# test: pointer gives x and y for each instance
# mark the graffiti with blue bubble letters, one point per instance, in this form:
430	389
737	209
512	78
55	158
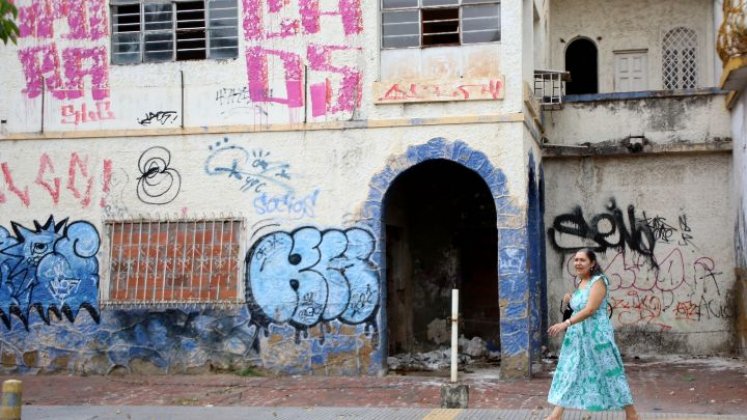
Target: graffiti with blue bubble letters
308	276
52	269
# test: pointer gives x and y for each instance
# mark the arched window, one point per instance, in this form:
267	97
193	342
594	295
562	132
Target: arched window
679	59
581	62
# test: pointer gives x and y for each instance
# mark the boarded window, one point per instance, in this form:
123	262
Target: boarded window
422	23
153	31
161	262
680	59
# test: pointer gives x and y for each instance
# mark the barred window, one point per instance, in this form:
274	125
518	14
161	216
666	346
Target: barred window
425	23
680	59
183	261
154	31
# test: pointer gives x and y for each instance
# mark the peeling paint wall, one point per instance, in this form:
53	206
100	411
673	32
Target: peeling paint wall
661	119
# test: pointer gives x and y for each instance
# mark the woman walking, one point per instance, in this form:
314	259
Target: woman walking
590	374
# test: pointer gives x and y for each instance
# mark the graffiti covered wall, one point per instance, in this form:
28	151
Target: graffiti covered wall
308	250
671	286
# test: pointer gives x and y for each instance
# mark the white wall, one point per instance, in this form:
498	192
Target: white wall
338	70
632	25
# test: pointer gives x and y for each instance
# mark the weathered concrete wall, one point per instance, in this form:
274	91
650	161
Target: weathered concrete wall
739	130
632	25
660	118
661	224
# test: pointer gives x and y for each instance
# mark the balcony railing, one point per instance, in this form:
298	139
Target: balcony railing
549	87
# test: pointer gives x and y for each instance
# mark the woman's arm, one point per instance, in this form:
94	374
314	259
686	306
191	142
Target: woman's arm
596	296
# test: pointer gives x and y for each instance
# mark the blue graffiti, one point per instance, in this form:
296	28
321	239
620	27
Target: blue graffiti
252	169
309	276
51	269
294	207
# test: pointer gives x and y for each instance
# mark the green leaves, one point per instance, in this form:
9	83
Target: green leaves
8	15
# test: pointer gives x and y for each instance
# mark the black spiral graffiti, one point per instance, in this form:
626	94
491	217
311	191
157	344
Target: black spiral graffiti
158	184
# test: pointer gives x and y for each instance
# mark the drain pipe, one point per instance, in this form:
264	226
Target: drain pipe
453	394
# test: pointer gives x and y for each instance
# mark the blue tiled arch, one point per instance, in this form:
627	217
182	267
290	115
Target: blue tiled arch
513	242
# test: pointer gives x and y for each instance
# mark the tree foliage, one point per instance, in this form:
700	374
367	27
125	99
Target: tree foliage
8	15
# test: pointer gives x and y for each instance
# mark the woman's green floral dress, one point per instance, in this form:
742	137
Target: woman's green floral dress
590	374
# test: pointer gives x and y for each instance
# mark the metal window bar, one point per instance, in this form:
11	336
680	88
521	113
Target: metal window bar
158	262
549	86
460	5
208	23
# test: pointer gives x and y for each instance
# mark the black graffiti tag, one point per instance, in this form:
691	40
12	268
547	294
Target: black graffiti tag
158	183
607	230
162	117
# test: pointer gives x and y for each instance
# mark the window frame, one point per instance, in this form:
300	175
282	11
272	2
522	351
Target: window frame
669	50
208	25
460	5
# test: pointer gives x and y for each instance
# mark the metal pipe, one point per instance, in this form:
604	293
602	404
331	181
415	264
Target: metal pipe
454	332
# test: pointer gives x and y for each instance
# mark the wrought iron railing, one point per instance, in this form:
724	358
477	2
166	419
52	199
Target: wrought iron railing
549	86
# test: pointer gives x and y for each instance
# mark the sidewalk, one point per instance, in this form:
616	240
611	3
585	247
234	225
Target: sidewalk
698	388
322	413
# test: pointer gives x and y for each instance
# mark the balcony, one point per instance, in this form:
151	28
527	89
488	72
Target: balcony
628	123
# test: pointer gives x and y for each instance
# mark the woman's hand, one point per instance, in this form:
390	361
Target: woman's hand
566	299
556	329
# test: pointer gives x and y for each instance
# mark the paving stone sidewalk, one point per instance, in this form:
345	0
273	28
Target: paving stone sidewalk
695	387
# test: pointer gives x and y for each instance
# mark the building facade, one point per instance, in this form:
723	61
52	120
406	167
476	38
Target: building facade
298	185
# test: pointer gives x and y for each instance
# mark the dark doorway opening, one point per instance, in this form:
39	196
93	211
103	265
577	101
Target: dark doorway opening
581	63
440	234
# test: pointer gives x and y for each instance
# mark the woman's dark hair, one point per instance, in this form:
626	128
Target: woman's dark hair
592	256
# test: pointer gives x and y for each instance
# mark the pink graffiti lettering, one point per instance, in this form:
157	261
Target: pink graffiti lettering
86	62
107	182
348	10
349	96
85	19
64	74
36	20
259	90
100	111
72	180
45	164
23	195
489	89
78	173
307	16
41	66
254	25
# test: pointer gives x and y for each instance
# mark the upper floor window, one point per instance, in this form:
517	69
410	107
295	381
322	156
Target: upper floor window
680	59
425	23
153	31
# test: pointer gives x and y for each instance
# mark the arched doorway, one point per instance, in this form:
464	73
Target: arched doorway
440	224
581	63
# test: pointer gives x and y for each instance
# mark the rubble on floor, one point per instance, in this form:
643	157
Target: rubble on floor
472	352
